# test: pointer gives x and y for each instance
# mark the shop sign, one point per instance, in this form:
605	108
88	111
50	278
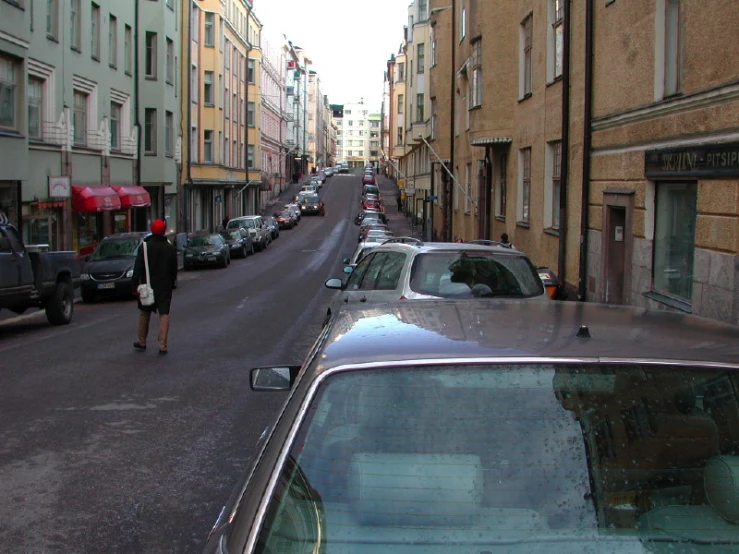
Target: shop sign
711	160
60	187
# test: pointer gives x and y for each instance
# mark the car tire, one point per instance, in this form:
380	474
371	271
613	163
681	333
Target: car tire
243	251
60	306
251	253
87	296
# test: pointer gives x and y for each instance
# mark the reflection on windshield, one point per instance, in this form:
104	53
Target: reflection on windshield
204	241
117	248
474	456
451	274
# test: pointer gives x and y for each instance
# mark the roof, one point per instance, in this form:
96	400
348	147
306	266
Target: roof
468	247
498	328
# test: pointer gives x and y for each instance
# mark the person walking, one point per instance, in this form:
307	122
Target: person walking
162	260
400	203
504	241
224	223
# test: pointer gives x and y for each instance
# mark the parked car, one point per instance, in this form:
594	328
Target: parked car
496	426
368	189
206	249
274	227
374	215
368	178
260	232
311	188
406	268
239	241
322	176
285	219
33	277
329	171
108	271
294	208
343	168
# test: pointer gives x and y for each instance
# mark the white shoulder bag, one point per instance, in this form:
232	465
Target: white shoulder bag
146	293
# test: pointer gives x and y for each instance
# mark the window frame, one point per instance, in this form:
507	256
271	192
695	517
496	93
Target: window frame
10	80
37	103
75	34
420	58
208	146
209	25
170	64
150	131
114	124
168	133
475	82
127	49
524	213
79	113
112	41
95	23
420	104
251	114
501	185
151	55
208	88
527	48
52	19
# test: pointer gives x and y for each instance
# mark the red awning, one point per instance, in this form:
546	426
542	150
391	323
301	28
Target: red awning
133	197
95	199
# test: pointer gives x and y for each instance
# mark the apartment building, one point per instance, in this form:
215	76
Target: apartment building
73	169
374	144
317	131
296	114
600	138
354	132
221	178
273	125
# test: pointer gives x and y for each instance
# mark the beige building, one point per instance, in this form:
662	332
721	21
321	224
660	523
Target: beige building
648	147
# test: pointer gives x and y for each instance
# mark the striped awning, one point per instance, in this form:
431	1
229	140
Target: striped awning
485	141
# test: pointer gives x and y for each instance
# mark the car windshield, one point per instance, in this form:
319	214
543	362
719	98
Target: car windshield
476	273
244	223
282	214
204	240
116	248
512	458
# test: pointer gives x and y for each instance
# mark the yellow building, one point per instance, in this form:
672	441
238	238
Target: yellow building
220	174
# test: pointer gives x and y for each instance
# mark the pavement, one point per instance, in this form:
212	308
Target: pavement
399	222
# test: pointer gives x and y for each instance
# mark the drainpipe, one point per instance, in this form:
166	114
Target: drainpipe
137	102
565	165
450	182
587	145
188	106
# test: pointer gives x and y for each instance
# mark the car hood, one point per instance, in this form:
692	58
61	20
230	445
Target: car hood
110	265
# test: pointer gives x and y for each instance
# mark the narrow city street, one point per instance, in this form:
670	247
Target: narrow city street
105	449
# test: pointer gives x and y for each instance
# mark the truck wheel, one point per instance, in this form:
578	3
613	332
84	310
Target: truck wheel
60	306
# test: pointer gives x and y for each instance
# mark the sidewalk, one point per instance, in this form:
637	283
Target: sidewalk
399	223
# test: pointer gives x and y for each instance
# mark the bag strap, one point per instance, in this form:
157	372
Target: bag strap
146	264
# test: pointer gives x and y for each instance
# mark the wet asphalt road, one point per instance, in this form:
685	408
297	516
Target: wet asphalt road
104	449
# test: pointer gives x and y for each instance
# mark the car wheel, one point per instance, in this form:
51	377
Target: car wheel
60	306
252	249
243	251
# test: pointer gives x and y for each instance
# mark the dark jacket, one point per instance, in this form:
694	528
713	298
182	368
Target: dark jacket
162	265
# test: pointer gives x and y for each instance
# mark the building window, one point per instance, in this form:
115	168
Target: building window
524	190
557	41
35	107
195	23
168	133
250	156
467	187
501	186
221	157
151	55
170	61
433	118
194	144
52	18
422	10
226	102
526	83
113	41
673	47
75	17
127	49
194	84
421	58
208	96
400	135
79	118
150	131
95	32
555	153
208	146
476	81
115	126
419	108
209	33
401	99
251	71
674	239
250	114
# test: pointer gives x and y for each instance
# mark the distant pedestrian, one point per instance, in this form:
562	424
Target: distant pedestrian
459	239
504	241
400	203
224	223
321	208
162	262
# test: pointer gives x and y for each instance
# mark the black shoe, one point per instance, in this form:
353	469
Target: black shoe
137	346
162	352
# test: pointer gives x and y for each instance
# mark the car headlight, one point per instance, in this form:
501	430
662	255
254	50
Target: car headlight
85	277
129	273
188	255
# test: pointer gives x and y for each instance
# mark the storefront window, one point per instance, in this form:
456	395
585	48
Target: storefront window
88	224
42	229
120	222
674	239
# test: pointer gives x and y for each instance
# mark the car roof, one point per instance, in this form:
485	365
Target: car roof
133	235
416	245
508	328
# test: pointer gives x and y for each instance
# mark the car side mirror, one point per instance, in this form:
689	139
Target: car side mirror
273	378
334	284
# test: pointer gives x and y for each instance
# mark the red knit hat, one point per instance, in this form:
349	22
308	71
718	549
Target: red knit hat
159	227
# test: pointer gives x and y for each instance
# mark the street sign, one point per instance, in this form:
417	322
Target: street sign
431	198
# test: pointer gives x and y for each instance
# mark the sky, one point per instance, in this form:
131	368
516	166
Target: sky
349	41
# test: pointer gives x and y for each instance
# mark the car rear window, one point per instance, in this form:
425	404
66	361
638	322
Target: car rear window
512	458
476	273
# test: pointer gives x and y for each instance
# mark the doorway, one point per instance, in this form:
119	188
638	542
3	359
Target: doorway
616	255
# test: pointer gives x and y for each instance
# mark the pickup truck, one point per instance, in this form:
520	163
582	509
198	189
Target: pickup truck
31	278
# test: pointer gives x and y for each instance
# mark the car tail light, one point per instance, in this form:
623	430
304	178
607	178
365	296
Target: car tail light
402	297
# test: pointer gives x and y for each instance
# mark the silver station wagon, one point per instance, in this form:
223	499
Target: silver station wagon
460	426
